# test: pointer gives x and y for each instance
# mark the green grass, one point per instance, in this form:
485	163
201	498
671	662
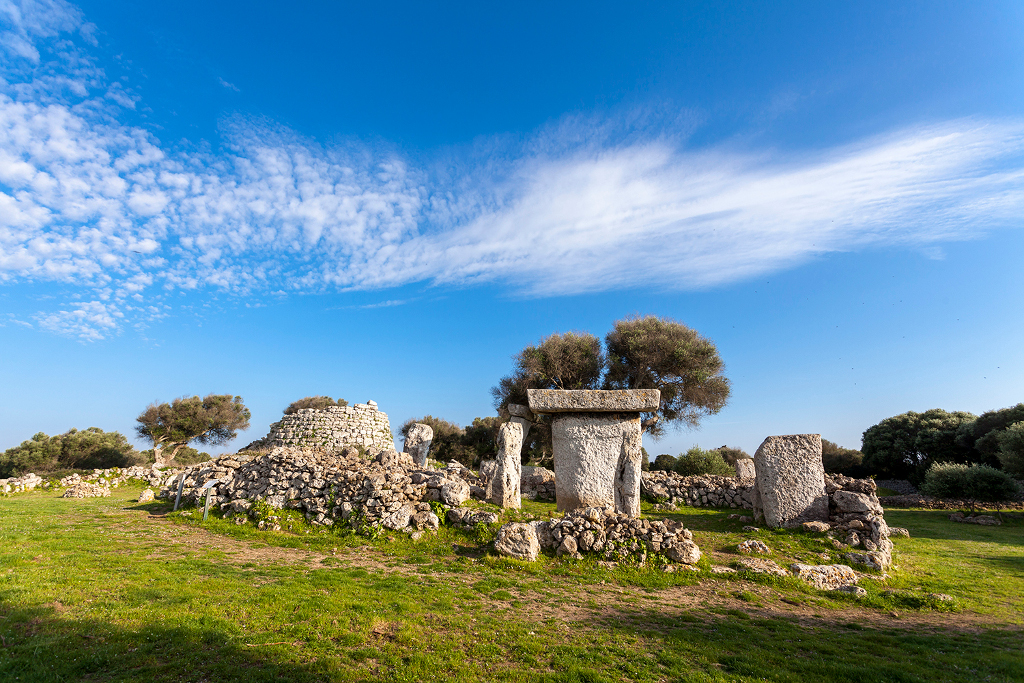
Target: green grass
108	590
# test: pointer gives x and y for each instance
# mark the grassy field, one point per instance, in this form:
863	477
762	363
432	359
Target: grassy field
109	590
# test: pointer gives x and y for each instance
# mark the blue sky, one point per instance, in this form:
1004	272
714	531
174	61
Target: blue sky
387	201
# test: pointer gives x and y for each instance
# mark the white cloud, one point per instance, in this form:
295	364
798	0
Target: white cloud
90	201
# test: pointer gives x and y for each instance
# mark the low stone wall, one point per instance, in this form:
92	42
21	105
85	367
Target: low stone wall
330	429
901	486
918	500
704	490
537	483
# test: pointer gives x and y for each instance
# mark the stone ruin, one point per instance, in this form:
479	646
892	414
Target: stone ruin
596	443
330	429
790	481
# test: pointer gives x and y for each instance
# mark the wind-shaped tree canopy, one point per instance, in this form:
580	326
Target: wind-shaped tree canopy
212	420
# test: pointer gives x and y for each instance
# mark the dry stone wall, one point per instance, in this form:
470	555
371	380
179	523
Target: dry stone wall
331	429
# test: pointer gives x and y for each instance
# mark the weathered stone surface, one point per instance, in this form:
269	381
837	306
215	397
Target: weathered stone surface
899	531
517	410
392	458
518	540
503	486
417	443
593	400
754	547
825	577
745	468
537	483
399	519
597	461
455	493
568	546
849	501
855	591
683	551
759	565
543	531
790	480
146	496
817	527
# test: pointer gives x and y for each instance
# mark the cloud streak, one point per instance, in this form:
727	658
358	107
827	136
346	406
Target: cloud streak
90	201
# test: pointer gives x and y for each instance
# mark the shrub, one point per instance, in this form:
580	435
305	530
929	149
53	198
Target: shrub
731	455
314	402
981	483
1011	449
945	480
983	434
664	462
186	456
87	449
835	458
698	461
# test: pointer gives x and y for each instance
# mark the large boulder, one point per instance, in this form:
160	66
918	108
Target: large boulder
683	551
597	461
790	481
517	540
417	443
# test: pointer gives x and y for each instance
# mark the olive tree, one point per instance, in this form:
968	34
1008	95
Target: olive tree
659	353
212	420
905	446
639	353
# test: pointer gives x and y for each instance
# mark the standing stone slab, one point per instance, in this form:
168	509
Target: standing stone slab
597	461
790	480
503	485
745	468
417	443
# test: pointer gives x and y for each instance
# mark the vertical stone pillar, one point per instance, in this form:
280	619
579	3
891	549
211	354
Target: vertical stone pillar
503	486
417	443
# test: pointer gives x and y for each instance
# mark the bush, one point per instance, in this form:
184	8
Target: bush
87	449
664	463
837	459
314	402
981	483
1011	449
698	461
731	455
905	446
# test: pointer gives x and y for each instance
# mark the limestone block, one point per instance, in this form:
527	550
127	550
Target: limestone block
455	493
593	400
683	551
597	461
825	577
745	468
850	501
503	486
790	480
517	540
146	496
417	443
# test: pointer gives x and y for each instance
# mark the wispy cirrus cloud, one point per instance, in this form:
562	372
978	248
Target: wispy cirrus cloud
88	200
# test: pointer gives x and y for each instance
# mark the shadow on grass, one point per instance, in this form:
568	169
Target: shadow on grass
96	650
740	645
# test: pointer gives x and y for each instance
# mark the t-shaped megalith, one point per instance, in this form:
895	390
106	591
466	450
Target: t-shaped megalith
596	439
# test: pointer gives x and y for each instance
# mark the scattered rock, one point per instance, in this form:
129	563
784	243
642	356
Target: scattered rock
817	527
719	569
146	496
825	576
758	565
899	531
754	547
87	490
855	591
519	541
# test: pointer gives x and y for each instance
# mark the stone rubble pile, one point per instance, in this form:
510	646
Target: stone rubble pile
86	490
386	490
116	476
984	520
330	429
24	483
702	490
613	535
